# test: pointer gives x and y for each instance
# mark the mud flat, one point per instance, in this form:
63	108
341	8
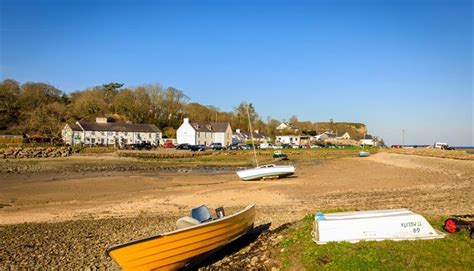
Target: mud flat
62	219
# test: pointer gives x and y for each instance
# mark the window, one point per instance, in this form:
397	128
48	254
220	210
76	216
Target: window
125	133
93	140
93	133
103	133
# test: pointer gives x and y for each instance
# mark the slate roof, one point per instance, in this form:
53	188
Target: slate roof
216	127
119	127
255	135
75	127
219	127
201	127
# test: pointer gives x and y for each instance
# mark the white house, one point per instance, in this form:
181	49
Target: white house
283	126
106	133
287	139
369	140
325	136
204	133
345	136
286	126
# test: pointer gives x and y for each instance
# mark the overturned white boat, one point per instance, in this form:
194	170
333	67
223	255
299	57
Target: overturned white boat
396	224
363	154
266	171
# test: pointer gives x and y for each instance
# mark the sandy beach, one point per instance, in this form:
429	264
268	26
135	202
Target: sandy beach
68	219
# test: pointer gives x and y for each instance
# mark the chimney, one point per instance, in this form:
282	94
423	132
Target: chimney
186	120
101	120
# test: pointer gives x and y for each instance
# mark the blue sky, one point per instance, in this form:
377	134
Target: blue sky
390	64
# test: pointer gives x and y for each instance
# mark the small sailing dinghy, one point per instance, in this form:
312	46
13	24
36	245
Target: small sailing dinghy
266	171
196	236
375	225
263	171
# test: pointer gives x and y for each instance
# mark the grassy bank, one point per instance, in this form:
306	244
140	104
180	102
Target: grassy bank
298	251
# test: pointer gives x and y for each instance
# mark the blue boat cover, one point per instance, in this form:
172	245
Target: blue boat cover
201	213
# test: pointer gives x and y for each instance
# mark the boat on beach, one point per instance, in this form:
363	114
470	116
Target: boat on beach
373	225
266	171
192	240
363	154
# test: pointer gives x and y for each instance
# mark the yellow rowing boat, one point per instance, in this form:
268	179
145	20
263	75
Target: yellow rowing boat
175	249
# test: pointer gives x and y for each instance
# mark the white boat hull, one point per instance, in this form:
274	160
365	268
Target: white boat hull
377	225
266	172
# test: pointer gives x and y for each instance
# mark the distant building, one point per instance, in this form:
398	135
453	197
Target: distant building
287	139
326	136
369	140
286	126
306	139
204	133
345	136
283	126
240	137
106	133
260	137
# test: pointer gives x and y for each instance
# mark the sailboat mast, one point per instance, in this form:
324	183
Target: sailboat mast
251	135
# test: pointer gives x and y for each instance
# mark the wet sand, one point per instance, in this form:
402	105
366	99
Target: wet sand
92	211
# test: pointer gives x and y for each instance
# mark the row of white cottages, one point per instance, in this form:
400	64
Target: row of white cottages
119	134
106	133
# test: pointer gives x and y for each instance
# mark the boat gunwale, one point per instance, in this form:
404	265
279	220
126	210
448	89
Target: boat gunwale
115	247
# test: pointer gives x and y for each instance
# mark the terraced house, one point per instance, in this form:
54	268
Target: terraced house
105	133
204	133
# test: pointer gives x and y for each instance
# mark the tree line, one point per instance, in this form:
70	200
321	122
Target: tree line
42	108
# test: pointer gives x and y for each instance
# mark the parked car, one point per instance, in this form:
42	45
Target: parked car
279	155
184	146
234	146
247	147
141	146
216	146
266	146
168	145
197	147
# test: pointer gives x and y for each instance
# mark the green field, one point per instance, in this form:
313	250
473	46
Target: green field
298	251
